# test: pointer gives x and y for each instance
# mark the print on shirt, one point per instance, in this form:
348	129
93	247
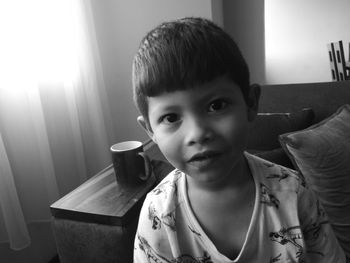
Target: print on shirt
312	231
289	236
267	197
297	174
276	259
152	215
283	174
153	257
169	220
194	231
163	187
268	164
165	219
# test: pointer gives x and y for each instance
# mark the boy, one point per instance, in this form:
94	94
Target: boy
220	204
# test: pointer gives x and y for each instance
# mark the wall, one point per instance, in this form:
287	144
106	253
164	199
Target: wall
244	21
217	12
297	33
295	40
119	26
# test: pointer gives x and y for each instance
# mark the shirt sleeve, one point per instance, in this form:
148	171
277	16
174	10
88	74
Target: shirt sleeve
321	243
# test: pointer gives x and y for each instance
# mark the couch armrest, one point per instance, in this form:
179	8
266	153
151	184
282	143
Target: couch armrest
90	242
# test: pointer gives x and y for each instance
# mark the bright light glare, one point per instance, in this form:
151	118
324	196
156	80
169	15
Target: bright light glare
39	42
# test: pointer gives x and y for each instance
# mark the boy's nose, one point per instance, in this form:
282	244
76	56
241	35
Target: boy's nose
198	131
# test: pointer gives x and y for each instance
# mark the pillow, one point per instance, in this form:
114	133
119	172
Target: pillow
322	154
266	128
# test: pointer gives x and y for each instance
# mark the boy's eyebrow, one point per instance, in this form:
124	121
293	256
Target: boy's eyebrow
164	108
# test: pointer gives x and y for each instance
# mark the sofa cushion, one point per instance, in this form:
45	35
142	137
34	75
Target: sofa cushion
322	154
266	128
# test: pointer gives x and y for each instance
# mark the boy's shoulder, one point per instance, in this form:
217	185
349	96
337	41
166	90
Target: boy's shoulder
165	194
168	183
274	176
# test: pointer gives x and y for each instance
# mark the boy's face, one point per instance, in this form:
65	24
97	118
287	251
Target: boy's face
202	131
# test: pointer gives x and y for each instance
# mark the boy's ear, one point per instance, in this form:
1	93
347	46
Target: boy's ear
253	101
144	124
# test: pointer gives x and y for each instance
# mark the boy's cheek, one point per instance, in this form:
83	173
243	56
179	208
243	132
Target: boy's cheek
168	147
165	146
171	158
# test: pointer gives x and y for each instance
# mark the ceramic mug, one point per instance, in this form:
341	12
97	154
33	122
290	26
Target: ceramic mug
131	164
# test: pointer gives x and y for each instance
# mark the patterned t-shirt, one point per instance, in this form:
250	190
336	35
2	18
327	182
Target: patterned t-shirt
288	223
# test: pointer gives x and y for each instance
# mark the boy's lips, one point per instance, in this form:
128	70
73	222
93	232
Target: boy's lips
204	158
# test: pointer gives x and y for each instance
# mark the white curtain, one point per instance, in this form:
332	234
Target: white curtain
54	118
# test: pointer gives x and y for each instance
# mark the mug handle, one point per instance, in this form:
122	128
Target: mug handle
148	167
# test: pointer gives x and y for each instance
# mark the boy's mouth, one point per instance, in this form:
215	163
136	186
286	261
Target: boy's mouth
206	156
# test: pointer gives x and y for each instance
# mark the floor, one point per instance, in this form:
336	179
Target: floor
41	250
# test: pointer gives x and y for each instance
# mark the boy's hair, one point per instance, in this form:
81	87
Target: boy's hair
182	54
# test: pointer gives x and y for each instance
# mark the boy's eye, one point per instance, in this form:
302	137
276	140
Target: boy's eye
169	118
217	105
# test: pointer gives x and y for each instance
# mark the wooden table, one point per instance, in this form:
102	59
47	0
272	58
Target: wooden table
97	221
